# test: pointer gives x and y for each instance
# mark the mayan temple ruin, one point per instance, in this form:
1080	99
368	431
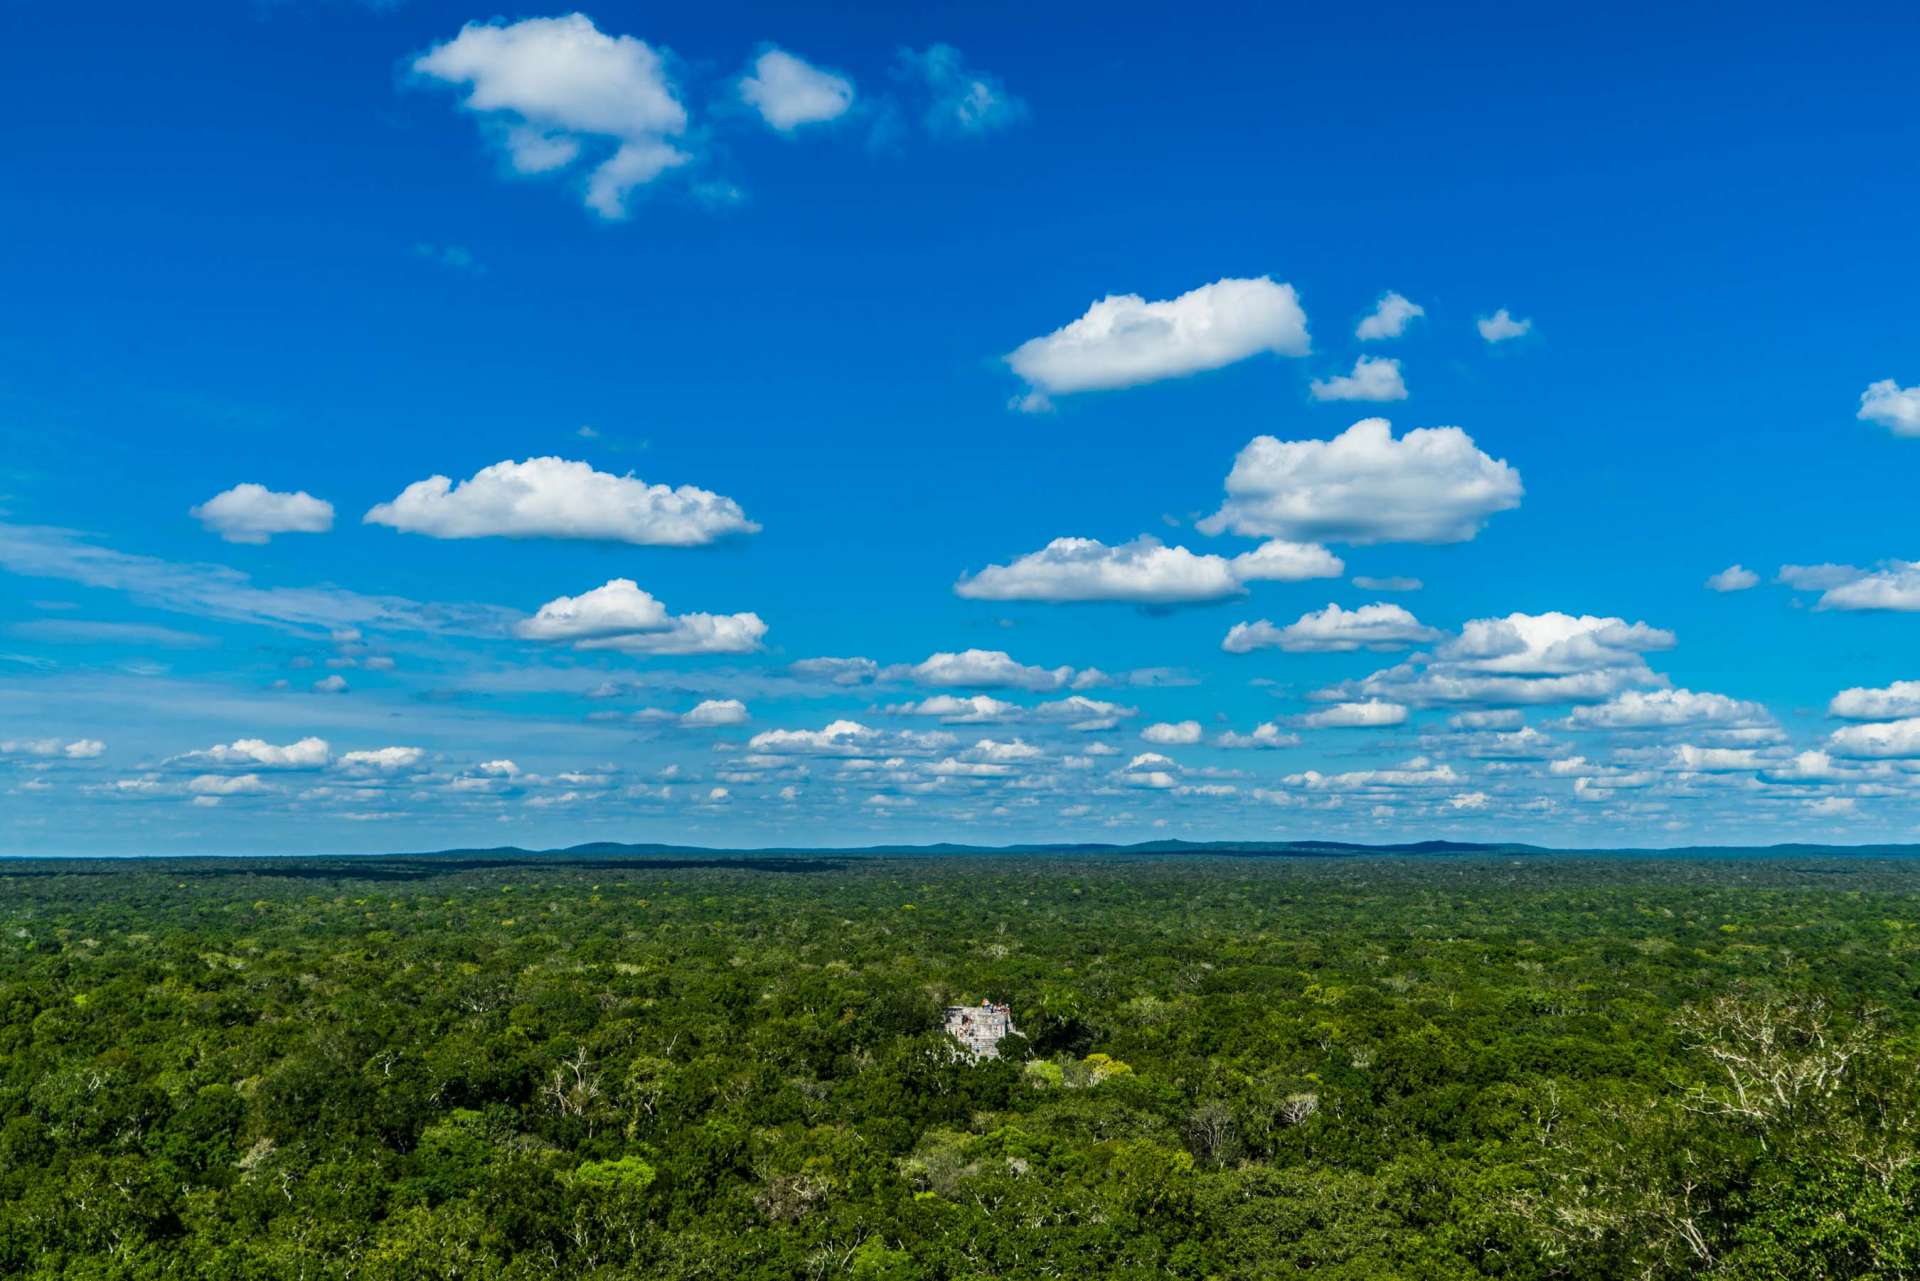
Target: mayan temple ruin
979	1028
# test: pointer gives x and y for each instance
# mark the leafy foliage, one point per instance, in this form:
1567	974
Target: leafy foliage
1342	1067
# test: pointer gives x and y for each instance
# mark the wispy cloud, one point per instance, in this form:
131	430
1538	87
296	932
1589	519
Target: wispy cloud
75	631
220	592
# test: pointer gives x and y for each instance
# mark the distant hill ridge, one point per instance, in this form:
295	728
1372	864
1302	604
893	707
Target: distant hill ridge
618	849
1282	849
800	857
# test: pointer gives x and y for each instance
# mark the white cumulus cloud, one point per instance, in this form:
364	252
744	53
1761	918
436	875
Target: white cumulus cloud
1665	708
1172	733
383	758
559	498
1265	735
620	615
1897	701
621	605
250	513
1124	340
978	709
1894	586
1004	751
1501	326
1884	739
1280	561
551	89
1892	406
690	634
1144	571
789	92
79	749
307	753
1379	627
1373	378
1150	770
1389	318
1552	644
1504	719
1734	578
714	712
954	767
837	738
980	669
1371	714
1521	660
1084	714
1717	760
1523	744
1432	485
1416	772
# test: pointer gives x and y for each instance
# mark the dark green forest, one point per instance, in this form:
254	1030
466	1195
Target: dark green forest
1360	1067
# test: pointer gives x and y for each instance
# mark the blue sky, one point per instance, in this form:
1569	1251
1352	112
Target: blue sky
751	336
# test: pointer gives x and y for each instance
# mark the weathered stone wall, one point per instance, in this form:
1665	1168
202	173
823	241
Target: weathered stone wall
979	1028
